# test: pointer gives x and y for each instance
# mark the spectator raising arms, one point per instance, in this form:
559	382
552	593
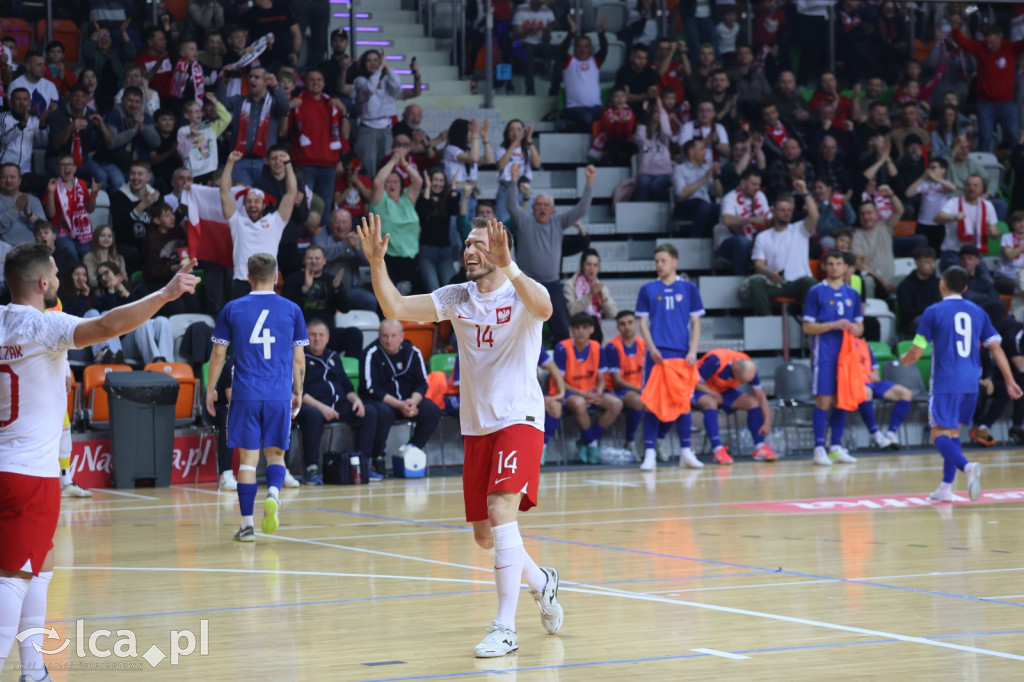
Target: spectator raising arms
396	205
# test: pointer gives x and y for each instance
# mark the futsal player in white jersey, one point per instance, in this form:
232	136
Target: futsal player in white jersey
497	317
33	365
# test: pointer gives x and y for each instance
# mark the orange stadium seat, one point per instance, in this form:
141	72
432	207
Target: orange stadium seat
422	335
73	401
186	409
66	32
97	412
21	32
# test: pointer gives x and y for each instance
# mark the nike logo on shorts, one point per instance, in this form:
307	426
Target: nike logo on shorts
502	479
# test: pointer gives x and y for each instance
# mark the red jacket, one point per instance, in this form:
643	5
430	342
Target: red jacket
997	72
843	109
315	131
619	124
161	81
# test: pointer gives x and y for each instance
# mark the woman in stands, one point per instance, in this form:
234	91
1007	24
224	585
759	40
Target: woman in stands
654	159
516	147
396	207
463	152
91	81
436	206
947	130
102	249
584	293
75	294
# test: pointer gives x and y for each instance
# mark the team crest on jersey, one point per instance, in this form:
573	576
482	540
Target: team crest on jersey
504	314
264	224
849	301
679	297
831	302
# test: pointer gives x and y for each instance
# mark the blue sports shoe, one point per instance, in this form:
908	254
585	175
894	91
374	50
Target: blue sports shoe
375	477
313	476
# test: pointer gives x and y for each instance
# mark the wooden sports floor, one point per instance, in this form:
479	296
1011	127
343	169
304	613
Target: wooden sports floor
756	572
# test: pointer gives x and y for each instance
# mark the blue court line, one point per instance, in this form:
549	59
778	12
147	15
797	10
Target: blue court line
656	659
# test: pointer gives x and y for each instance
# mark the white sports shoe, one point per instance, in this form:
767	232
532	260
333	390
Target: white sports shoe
688	459
941	495
650	462
227	481
547	601
289	480
821	457
894	440
881	440
840	455
74	490
663	452
29	678
973	471
499	641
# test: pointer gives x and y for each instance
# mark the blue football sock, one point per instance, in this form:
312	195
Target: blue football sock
899	412
711	427
684	427
952	452
632	424
755	420
652	429
837	422
590	436
867	413
663	429
275	478
820	421
550	426
246	498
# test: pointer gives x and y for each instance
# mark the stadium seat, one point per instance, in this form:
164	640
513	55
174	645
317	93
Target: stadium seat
924	365
186	409
67	32
365	321
180	323
73	398
881	351
13	27
615	13
96	414
351	367
879	309
422	335
177	8
615	59
442	362
793	391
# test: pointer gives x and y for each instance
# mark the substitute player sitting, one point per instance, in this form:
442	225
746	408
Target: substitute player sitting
497	317
268	333
956	328
722	372
624	372
886	390
579	359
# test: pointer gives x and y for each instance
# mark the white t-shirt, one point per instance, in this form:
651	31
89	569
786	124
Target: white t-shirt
582	83
33	402
517	157
451	163
251	238
42	92
735	204
533	22
952	242
692	129
727	37
1010	267
933	195
499	343
785	251
201	158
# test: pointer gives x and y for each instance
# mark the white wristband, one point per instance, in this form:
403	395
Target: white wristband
512	270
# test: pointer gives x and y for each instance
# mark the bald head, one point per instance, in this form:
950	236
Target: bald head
413	116
744	370
390	335
340	224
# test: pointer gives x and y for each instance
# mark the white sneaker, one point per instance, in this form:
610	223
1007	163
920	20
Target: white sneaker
74	490
650	462
821	457
662	448
941	495
840	455
289	480
973	471
499	641
688	459
29	678
894	440
227	481
881	440
547	601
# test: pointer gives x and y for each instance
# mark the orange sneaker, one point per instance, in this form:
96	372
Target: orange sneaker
981	436
722	456
764	453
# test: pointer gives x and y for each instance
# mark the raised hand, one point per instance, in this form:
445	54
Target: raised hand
374	246
572	24
498	253
235	156
95	187
590	173
336	282
183	282
486	128
800	186
529	134
515	171
21	203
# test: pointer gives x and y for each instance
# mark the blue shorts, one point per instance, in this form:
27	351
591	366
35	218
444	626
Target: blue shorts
620	392
728	398
823	368
880	388
252	423
950	410
666	354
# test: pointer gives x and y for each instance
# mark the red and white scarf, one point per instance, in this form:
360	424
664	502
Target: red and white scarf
74	219
76	147
181	76
751	208
975	234
299	114
582	291
778	134
838	200
261	143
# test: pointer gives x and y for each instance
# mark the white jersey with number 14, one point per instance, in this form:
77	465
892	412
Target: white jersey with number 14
499	342
33	402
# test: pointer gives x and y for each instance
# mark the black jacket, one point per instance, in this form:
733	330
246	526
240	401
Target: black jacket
399	375
321	301
326	379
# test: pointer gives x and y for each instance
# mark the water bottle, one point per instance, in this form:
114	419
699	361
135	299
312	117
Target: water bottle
357	477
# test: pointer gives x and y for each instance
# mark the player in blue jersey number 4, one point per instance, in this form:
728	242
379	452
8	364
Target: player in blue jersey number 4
955	328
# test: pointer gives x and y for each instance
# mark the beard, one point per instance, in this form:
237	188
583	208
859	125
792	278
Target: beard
50	299
485	269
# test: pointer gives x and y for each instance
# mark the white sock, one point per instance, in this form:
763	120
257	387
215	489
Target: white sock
945	487
508	570
272	491
534	577
246	521
12	595
33	615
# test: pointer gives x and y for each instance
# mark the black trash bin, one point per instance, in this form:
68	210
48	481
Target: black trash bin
141	426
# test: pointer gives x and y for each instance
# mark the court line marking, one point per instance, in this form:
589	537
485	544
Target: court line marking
111	491
376	552
723	654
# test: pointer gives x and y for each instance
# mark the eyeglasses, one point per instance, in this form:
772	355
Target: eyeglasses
103	35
